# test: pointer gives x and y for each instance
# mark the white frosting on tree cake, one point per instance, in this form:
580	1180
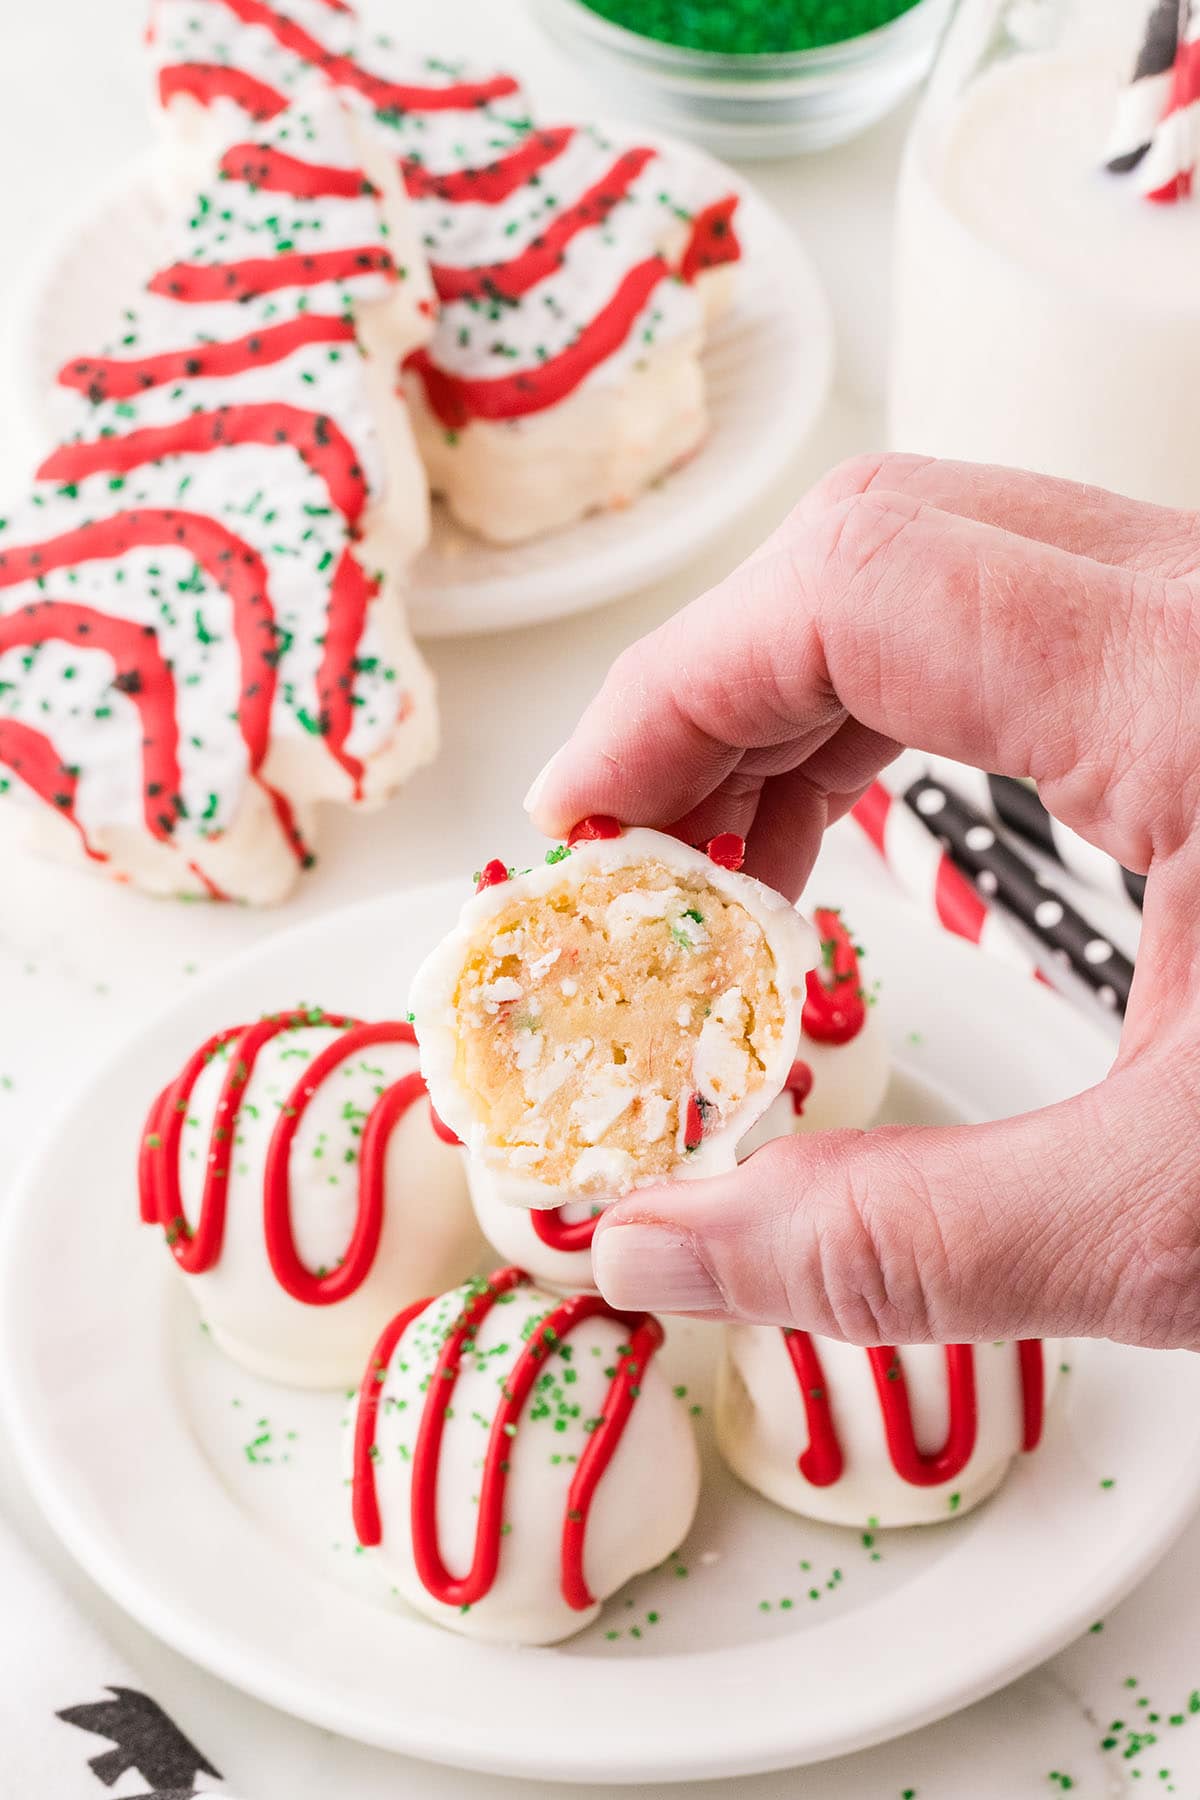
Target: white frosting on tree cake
575	272
200	631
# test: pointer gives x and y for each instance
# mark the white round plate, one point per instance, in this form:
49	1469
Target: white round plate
767	365
176	1480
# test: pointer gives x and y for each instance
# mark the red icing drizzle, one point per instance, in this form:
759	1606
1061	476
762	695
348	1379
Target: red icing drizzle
834	1011
545	253
645	1337
821	1463
495	181
198	1249
799	1085
385	1115
345	72
713	240
455	400
274	170
139	672
32	757
351	592
550	1227
120	378
231	563
199	283
207	82
318	442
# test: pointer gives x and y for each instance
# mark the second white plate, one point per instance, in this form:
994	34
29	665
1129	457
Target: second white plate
213	1507
768	365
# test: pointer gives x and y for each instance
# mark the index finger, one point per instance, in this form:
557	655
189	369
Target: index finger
927	629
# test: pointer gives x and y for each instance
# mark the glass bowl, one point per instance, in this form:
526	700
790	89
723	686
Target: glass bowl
760	105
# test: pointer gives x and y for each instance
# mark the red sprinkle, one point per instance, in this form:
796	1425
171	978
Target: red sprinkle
592	830
492	875
727	850
694	1125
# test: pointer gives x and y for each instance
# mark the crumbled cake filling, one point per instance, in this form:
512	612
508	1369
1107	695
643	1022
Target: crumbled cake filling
606	1027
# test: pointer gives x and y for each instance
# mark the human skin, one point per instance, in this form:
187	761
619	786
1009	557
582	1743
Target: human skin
1028	626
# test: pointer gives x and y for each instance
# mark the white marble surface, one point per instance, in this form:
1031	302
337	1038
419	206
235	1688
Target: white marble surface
81	964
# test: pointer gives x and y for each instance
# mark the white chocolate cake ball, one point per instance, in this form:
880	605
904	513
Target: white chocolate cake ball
305	1190
551	1243
619	1015
841	1075
518	1457
886	1437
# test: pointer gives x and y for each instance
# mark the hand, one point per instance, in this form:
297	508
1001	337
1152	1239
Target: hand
1030	627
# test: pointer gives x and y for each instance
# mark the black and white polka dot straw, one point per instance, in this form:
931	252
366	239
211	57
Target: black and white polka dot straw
1017	805
1003	874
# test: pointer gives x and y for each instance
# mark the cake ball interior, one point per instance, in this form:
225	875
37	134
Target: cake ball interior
607	1026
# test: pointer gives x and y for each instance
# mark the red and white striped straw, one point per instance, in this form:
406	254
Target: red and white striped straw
927	875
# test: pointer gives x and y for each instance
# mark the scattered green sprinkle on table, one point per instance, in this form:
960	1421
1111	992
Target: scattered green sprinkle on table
747	27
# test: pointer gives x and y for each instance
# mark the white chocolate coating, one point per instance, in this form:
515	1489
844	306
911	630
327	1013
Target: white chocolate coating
429	1236
849	1084
610	1172
762	1429
641	1510
504	1207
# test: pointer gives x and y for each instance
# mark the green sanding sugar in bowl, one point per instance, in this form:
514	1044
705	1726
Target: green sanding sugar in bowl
747	27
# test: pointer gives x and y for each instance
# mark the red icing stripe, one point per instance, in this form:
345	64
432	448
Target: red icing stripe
495	181
386	1113
34	760
139	672
119	378
198	283
319	443
553	1230
632	1359
834	1008
1033	1391
958	905
235	567
713	240
349	596
822	1463
455	400
285	817
345	72
278	173
159	1192
207	82
921	1468
545	254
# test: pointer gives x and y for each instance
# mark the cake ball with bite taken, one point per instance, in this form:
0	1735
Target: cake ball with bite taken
618	1016
518	1457
841	1075
886	1436
305	1189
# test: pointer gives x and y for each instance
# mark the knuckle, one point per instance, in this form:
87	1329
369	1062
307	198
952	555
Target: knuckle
858	475
866	1253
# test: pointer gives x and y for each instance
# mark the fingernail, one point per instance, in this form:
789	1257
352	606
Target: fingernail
538	783
650	1266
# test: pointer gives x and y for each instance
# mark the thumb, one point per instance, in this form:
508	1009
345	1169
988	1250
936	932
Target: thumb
1080	1220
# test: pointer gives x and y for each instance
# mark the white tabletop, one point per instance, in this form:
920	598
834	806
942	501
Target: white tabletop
82	964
